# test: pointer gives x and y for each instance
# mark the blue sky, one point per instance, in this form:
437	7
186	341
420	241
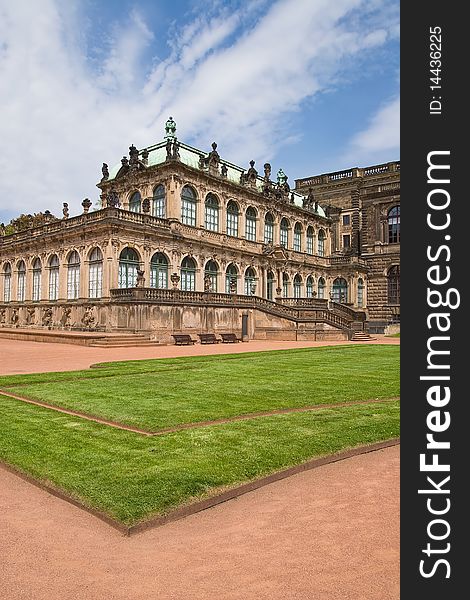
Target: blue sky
308	85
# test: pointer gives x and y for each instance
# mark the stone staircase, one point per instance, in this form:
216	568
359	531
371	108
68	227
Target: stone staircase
361	336
124	341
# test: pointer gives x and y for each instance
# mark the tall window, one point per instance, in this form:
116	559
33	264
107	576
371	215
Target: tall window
54	277
21	281
7	283
211	271
128	266
73	276
37	277
232	218
188	206
360	292
393	219
321	243
135	202
212	213
321	288
309	286
231	278
298	237
159	271
250	282
309	240
285	285
297	286
393	281
188	274
284	233
270	285
250	224
159	201
340	290
268	229
95	274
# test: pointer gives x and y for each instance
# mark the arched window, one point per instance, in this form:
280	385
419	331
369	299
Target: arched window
298	237
54	277
270	280
285	285
188	206
321	243
297	286
159	271
268	229
321	288
284	233
393	219
188	274
250	224
21	282
73	276
250	282
360	292
309	286
212	213
231	279
95	274
340	290
309	240
135	202
128	266
210	272
7	283
393	285
37	277
159	202
232	218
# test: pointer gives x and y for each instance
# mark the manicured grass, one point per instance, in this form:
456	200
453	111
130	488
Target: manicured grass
154	394
394	335
132	477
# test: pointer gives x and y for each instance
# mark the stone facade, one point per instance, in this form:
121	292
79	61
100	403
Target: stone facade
186	241
364	208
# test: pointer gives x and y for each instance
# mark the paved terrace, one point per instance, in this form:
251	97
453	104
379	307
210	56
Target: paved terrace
18	357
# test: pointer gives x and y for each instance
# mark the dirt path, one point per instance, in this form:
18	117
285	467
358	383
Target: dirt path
39	357
327	534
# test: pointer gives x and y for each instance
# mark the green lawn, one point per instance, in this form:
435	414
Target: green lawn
133	477
162	393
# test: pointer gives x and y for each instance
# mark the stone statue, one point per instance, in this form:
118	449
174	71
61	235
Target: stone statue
31	314
145	157
65	210
3	315
170	128
134	157
251	175
169	149
65	318
124	161
88	319
140	281
309	200
87	203
207	283
47	317
233	286
2	228
202	161
14	317
176	150
267	171
224	170
146	205
105	172
112	200
213	159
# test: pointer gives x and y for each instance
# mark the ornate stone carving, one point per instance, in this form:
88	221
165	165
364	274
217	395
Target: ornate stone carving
140	281
146	205
145	157
3	315
47	316
30	315
88	318
87	204
65	318
65	210
105	172
207	283
112	200
250	177
14	317
224	170
170	128
175	279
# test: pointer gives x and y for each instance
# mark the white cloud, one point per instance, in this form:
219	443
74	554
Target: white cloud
234	77
380	138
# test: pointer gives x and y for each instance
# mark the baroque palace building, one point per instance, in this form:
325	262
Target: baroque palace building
185	241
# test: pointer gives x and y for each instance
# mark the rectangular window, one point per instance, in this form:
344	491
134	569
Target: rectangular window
21	287
250	230
297	241
232	224
188	213
36	286
188	281
159	208
346	220
7	288
268	233
212	218
346	241
309	244
284	237
73	282
53	284
96	280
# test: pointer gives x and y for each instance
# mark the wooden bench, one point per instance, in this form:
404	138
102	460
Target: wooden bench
208	338
229	338
182	339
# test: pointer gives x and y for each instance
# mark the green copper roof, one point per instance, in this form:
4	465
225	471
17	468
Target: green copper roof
190	156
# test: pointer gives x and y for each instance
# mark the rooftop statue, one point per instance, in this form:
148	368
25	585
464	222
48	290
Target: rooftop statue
170	128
